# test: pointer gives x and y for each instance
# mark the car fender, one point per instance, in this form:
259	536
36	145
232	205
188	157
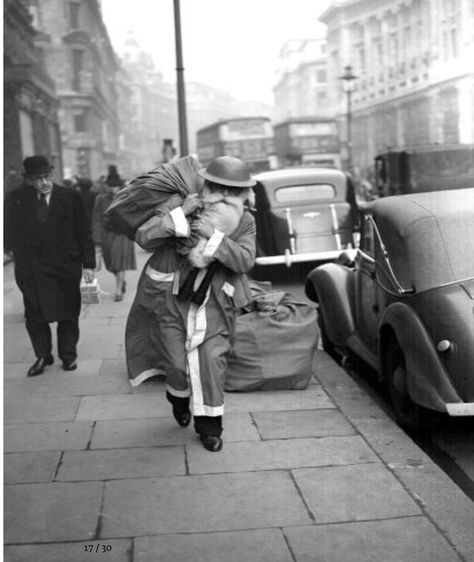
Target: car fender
332	287
429	384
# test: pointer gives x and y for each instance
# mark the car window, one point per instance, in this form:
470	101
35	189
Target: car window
306	193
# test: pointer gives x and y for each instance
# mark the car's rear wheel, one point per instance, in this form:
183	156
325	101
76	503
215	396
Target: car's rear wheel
408	414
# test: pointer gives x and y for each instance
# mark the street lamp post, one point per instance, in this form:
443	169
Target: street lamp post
183	132
348	85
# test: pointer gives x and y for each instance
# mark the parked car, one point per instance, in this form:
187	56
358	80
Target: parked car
406	304
304	214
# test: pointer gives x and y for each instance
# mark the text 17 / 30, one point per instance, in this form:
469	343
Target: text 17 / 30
98	547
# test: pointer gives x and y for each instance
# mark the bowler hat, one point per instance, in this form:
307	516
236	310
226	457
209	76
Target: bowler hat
37	164
228	170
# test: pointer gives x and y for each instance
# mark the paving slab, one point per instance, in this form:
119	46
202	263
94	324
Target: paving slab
410	539
354	493
116	367
114	343
123	406
266	545
46	436
34	467
441	499
116	550
312	398
302	423
102	350
328	373
151	402
196	504
122	463
153	432
51	512
93	326
75	383
31	408
17	352
281	454
356	403
54	374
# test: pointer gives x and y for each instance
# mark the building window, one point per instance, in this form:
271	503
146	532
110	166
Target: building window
450	24
74	15
321	76
80	122
77	67
322	98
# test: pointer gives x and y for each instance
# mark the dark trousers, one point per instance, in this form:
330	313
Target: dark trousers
204	425
67	334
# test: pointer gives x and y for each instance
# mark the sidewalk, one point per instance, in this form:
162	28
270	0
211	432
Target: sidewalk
95	470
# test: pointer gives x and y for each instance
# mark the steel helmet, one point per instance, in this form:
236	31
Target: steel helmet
228	170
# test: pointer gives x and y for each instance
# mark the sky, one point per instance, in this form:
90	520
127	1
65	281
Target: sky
229	44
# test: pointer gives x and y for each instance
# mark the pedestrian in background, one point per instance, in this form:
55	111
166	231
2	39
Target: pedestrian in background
118	251
13	179
87	195
168	333
49	234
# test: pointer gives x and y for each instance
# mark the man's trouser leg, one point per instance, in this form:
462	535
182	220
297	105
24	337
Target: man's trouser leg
207	425
40	336
68	336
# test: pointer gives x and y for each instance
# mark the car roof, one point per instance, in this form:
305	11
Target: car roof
304	174
429	236
274	179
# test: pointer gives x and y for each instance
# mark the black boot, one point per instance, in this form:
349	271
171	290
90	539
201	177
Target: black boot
209	430
181	411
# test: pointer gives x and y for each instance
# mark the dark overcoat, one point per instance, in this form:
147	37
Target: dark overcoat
49	256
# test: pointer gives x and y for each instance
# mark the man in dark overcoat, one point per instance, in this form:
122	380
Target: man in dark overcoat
49	234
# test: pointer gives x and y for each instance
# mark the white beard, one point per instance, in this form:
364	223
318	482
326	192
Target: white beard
224	212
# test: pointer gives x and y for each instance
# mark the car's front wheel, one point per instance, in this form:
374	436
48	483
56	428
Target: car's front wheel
408	414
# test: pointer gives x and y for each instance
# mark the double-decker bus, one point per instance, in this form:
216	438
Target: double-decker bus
313	141
247	138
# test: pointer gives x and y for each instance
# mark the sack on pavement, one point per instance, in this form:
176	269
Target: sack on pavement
137	202
274	343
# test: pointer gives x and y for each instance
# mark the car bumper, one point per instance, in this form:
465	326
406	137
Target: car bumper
460	408
288	258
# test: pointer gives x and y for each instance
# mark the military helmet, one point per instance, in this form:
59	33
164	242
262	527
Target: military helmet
228	170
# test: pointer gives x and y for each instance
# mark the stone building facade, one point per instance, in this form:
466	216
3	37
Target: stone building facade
30	104
301	89
77	51
415	76
304	121
152	113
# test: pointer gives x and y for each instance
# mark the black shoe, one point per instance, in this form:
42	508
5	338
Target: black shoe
69	364
38	366
183	418
212	443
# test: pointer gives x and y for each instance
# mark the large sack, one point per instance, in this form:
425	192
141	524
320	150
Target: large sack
136	203
274	344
